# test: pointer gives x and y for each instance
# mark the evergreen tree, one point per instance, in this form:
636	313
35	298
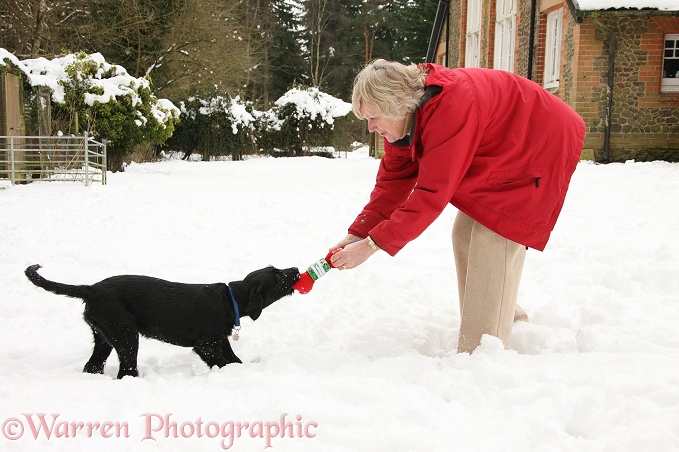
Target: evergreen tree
407	29
286	65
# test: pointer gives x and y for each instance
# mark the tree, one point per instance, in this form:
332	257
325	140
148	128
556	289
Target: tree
105	101
31	28
407	28
255	49
318	48
286	63
210	45
372	18
129	32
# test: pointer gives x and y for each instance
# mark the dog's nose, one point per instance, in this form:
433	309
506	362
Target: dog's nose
293	274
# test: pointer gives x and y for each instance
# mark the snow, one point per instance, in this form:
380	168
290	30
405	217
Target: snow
240	114
662	5
367	360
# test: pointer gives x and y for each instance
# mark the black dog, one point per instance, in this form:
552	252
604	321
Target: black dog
201	316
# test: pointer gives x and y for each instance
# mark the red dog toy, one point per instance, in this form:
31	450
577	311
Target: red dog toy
317	269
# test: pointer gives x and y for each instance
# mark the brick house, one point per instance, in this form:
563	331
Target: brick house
615	62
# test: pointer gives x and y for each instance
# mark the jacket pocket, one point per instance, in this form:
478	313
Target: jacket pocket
517	176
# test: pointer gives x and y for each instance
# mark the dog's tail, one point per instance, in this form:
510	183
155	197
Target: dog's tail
55	287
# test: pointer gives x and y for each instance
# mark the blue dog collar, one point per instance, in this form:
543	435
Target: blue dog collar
236	324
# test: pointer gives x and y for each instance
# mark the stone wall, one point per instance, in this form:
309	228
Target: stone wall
644	121
457	30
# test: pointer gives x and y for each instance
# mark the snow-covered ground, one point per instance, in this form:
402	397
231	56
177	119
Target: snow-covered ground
367	360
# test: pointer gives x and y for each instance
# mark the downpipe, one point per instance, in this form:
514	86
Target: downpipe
531	39
612	42
441	15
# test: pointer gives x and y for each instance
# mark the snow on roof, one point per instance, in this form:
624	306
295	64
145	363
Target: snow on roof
593	5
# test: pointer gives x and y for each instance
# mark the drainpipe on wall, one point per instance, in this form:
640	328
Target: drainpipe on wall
441	15
531	39
609	95
447	38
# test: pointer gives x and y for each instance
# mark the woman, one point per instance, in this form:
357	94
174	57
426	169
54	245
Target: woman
496	146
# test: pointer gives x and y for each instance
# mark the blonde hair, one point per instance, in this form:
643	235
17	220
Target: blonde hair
394	89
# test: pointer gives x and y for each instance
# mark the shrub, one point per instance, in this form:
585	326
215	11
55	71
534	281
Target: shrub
220	125
307	119
103	99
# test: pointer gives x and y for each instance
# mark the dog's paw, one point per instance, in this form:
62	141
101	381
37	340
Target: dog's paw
127	373
94	368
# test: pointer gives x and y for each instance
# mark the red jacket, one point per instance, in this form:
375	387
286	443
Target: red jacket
497	146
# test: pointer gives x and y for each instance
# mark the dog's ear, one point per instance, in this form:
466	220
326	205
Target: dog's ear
255	304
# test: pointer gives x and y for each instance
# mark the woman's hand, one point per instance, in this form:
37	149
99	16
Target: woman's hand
354	252
350	238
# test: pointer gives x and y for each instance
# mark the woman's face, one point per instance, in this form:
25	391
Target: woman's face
389	128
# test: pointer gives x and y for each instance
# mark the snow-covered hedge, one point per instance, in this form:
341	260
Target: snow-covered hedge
89	94
219	125
307	119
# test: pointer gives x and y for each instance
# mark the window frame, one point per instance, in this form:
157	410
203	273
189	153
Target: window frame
553	40
505	35
669	84
472	56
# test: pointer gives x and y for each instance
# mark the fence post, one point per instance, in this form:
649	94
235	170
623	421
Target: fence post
87	158
104	169
11	159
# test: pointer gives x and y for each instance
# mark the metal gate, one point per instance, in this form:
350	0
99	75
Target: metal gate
24	159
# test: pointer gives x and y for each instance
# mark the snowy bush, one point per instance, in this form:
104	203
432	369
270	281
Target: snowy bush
89	94
219	125
307	119
216	126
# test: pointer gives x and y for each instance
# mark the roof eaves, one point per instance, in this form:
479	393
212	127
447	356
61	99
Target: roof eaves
575	10
579	14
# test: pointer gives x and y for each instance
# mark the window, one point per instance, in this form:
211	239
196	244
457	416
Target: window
505	26
553	49
472	57
670	65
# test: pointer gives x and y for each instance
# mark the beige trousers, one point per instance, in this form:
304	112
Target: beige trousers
489	269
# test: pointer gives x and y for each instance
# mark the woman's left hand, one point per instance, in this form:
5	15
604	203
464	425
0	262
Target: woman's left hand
353	255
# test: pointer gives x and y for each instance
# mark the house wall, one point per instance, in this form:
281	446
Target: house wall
570	52
522	47
457	30
644	121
